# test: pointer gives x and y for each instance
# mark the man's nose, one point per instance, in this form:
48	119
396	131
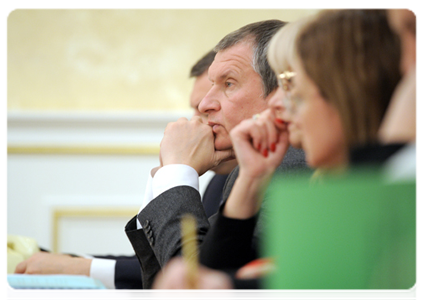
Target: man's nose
210	102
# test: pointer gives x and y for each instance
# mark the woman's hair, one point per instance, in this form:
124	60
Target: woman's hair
281	47
353	57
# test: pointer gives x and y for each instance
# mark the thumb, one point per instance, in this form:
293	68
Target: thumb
224	155
197	118
21	268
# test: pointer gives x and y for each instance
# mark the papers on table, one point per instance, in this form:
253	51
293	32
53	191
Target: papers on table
58	287
23	281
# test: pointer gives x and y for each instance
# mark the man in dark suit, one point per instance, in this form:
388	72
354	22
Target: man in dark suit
242	85
124	272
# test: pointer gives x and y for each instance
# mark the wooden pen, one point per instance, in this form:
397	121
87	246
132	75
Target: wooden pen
189	249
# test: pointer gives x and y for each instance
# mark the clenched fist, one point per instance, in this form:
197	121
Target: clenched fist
191	143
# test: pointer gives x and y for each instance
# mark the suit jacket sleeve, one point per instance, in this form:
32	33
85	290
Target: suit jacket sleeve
147	260
160	238
162	217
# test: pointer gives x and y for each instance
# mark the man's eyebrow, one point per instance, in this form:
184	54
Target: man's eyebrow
226	74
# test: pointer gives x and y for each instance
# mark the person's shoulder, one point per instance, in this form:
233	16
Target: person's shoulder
376	153
294	160
294	154
401	166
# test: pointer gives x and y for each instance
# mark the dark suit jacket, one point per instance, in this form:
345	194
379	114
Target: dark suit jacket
127	268
213	194
232	243
160	238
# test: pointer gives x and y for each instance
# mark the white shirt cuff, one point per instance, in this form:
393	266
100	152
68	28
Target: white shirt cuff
104	270
148	196
166	178
170	176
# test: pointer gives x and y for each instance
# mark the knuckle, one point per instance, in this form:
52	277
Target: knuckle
30	271
246	122
169	126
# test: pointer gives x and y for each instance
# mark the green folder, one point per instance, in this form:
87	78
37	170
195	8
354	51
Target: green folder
354	232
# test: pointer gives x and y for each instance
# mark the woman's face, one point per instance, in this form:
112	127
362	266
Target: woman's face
323	139
284	110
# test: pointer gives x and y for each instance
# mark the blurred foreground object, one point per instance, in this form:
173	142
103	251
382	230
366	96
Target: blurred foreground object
189	249
256	269
352	232
19	248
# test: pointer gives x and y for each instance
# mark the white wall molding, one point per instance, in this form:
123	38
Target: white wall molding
89	128
81	179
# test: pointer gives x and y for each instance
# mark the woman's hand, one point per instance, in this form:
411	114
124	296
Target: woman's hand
174	276
260	145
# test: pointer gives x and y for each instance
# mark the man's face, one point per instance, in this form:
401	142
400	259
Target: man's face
406	23
236	93
200	89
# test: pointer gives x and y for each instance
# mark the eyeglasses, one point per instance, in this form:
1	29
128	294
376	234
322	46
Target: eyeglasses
285	80
285	83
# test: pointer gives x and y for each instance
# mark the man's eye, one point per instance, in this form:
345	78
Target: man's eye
228	84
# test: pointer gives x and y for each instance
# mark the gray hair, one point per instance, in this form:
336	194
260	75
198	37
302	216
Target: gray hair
258	34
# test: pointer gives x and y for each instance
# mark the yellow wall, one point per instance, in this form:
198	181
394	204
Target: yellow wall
102	60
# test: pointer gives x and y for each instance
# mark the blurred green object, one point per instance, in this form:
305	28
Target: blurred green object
354	232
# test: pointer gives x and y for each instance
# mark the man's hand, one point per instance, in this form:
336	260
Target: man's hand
174	276
191	143
49	263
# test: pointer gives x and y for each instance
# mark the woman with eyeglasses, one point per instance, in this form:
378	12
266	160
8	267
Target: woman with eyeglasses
342	71
337	71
